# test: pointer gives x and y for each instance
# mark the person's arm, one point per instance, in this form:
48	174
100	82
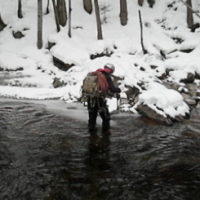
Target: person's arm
112	87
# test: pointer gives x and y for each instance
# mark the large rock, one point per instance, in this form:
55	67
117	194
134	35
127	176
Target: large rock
189	79
192	89
17	34
190	101
152	114
58	83
61	65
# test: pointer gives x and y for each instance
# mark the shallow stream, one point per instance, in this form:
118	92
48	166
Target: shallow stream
47	155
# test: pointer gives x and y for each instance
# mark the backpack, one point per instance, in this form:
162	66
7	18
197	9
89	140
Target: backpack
95	84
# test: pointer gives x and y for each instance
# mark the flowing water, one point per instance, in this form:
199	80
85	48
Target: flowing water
48	156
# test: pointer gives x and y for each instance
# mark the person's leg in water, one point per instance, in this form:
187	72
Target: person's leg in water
92	111
105	115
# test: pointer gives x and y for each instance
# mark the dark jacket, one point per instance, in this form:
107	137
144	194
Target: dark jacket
112	87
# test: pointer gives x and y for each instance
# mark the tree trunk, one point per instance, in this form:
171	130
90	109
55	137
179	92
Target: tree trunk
151	3
87	4
19	12
140	2
70	9
62	12
39	37
123	12
141	34
47	8
195	12
2	24
99	30
190	21
56	16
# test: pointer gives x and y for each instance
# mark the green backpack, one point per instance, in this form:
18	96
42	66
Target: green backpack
95	84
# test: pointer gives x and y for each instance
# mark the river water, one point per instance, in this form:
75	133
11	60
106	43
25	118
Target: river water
50	155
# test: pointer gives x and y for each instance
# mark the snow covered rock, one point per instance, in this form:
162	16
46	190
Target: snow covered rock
61	65
152	114
163	105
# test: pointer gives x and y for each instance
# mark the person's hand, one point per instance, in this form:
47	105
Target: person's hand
117	95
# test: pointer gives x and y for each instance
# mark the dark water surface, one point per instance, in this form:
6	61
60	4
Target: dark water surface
47	156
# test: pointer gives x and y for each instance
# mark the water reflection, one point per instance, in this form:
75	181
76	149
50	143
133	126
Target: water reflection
97	164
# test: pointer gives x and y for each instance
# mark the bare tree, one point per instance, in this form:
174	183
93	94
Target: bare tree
123	12
141	34
47	8
19	12
40	20
62	12
190	20
2	24
191	8
70	9
140	2
151	3
87	4
56	16
99	30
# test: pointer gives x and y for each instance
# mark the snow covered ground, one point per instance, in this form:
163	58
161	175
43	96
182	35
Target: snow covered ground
35	80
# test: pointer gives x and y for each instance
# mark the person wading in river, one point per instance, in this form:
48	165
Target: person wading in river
96	103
